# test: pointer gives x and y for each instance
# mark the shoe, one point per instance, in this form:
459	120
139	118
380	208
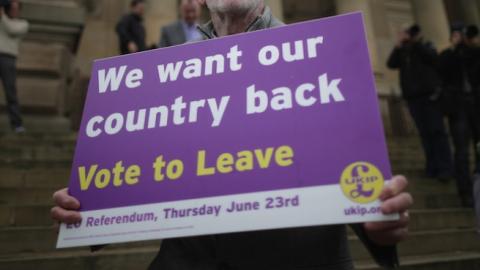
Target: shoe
19	130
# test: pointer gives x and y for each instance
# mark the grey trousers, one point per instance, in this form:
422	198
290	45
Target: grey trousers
8	75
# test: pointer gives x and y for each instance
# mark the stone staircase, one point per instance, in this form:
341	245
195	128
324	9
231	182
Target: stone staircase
32	166
46	55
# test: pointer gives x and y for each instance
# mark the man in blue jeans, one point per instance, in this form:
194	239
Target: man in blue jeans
321	247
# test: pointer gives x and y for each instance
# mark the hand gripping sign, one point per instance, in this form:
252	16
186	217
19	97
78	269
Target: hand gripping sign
272	129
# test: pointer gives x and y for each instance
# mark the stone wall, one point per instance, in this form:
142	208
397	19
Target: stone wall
58	24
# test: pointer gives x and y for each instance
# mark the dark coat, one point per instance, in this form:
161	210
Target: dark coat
459	68
172	35
417	64
323	247
130	29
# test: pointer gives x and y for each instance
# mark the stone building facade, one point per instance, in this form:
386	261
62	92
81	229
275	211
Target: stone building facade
67	35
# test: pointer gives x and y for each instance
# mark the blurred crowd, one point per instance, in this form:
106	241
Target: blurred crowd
443	89
131	31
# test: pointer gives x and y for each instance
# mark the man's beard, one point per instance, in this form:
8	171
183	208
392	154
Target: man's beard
232	6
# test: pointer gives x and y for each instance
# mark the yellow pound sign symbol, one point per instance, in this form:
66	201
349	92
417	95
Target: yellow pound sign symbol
362	182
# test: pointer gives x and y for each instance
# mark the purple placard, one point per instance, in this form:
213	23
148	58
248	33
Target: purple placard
321	116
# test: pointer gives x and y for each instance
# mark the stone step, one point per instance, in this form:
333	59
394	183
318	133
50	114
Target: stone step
18	177
423	220
140	258
65	153
406	167
43	238
20	189
125	259
44	60
43	150
36	212
38	126
436	201
439	219
19	150
424	185
48	139
33	211
25	215
34	178
29	191
15	196
13	155
39	92
29	163
36	143
427	242
441	261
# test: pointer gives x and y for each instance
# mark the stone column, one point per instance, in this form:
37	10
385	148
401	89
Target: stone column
99	39
470	11
380	41
159	14
346	6
478	6
432	18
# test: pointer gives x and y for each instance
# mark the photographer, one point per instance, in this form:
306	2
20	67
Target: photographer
420	83
458	70
12	29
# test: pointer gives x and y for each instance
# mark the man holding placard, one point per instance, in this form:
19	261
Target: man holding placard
309	247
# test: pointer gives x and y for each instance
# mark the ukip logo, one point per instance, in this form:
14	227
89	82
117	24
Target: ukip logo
362	182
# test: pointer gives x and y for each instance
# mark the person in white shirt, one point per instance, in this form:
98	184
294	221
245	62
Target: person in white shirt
12	29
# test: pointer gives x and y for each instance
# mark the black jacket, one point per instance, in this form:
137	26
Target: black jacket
459	68
417	64
130	29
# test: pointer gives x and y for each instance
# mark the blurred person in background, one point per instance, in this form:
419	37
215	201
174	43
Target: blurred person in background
420	84
12	29
473	41
185	29
130	29
458	68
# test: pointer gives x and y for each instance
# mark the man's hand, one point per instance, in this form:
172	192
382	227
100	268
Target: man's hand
395	199
132	47
65	209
